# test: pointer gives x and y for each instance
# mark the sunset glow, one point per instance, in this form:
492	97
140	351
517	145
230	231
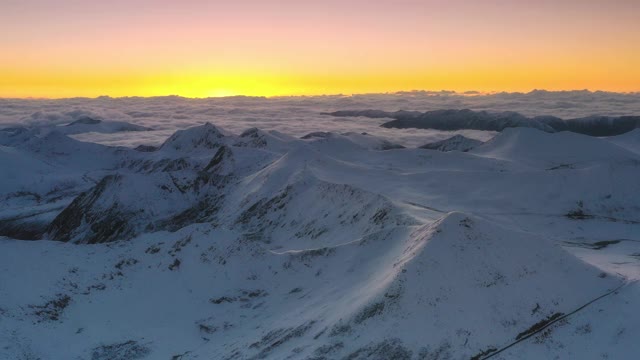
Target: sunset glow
250	47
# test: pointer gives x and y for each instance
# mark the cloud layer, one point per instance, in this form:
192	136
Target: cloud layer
301	115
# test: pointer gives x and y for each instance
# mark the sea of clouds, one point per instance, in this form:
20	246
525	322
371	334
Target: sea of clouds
298	116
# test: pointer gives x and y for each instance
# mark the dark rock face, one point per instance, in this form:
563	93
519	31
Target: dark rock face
216	163
387	349
51	310
203	211
252	138
146	148
128	350
104	225
111	211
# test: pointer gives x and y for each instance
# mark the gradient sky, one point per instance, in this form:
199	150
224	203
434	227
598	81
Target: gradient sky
63	48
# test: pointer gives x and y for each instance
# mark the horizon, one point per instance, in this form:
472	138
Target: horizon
425	92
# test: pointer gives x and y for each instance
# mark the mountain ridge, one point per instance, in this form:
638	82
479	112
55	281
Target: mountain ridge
465	119
260	245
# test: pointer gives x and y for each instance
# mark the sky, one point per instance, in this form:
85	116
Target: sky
194	48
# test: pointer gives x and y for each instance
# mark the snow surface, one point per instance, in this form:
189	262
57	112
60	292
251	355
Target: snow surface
262	245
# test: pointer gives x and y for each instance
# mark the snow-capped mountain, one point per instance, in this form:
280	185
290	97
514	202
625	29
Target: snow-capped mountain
260	245
456	142
87	124
43	172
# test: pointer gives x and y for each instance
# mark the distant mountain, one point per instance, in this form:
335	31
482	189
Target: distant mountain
374	114
498	121
85	120
87	124
456	142
361	139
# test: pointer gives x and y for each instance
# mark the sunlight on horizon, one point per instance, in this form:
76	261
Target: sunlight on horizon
197	48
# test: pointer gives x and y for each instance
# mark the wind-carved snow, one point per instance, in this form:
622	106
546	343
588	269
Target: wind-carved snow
331	246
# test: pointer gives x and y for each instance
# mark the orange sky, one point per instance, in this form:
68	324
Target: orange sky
64	48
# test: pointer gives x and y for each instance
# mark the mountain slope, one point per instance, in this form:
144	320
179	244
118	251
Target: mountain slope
333	246
372	298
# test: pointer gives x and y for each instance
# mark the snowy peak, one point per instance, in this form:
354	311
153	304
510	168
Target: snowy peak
480	245
262	192
122	206
14	137
82	124
537	148
253	138
84	120
203	137
629	141
464	264
370	142
270	141
87	124
222	163
328	142
340	214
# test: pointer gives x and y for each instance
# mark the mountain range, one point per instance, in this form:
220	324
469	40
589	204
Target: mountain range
261	245
465	119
